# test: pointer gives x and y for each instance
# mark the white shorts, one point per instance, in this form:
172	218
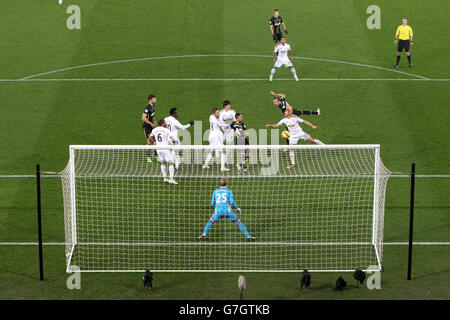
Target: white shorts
165	155
177	142
217	142
229	137
286	62
294	139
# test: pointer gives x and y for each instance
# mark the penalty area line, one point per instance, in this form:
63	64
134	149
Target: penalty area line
219	79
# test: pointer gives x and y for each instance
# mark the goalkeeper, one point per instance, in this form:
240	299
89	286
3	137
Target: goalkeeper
222	202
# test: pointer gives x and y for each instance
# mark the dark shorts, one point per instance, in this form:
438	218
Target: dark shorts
403	44
147	129
242	141
277	37
297	112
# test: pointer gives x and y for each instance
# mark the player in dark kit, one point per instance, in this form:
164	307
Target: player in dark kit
149	122
241	133
279	99
275	27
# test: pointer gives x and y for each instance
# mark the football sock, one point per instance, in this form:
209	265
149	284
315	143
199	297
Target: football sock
207	227
163	170
292	156
243	229
398	59
293	72
171	172
409	58
316	141
287	141
272	72
177	161
208	158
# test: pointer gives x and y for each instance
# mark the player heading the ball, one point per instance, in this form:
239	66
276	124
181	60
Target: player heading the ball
295	132
222	202
161	136
280	57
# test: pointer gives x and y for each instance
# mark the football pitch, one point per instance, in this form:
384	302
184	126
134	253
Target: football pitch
89	86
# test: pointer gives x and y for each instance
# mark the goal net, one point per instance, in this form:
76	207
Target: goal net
324	214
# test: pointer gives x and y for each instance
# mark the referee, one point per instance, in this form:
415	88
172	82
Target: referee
404	35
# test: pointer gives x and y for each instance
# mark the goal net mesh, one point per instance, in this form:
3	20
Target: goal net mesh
325	214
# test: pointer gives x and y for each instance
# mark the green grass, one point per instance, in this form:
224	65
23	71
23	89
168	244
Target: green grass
39	120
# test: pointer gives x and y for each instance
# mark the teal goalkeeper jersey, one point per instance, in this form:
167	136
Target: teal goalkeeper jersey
222	199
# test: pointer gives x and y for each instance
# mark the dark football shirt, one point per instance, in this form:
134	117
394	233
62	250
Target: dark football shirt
240	126
149	113
284	104
276	23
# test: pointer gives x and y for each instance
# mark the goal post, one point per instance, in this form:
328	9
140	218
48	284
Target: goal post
324	214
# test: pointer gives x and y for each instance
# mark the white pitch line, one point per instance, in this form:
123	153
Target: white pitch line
218	79
226	243
216	55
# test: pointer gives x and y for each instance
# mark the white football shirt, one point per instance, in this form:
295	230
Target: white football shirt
292	125
227	117
173	125
214	126
161	135
282	51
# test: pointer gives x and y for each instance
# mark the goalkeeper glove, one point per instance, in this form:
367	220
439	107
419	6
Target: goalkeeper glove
238	210
285	31
191	123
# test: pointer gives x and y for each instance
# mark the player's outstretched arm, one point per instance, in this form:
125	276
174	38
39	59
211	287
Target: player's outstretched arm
309	124
272	125
282	95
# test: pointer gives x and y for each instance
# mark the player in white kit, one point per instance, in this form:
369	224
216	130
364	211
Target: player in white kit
280	57
226	118
173	125
295	132
216	140
161	136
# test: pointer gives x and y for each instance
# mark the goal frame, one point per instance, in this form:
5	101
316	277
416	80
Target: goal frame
73	241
